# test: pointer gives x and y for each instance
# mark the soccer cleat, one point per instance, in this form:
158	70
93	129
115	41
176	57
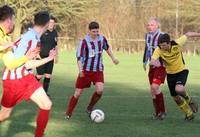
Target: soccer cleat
155	117
88	112
67	117
161	116
189	118
193	105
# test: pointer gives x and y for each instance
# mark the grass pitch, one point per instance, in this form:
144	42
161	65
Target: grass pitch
126	102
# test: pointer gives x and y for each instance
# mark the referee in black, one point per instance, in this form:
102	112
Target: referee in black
48	41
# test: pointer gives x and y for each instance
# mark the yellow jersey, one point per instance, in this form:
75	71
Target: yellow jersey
173	59
6	54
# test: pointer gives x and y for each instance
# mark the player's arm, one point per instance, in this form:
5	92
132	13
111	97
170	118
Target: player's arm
192	34
110	53
108	49
154	58
80	68
79	54
145	56
182	40
56	43
11	62
36	63
4	47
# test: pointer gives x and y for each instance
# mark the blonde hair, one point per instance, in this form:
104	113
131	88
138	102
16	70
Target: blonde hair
156	20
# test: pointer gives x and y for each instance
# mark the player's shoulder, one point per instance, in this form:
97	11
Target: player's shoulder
157	50
33	35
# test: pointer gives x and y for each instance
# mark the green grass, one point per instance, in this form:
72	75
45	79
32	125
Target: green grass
126	103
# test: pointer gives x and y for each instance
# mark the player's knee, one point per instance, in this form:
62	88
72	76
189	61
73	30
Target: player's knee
77	93
100	91
46	105
47	75
179	88
39	76
4	117
155	88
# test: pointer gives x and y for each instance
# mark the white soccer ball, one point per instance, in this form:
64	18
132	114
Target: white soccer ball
97	116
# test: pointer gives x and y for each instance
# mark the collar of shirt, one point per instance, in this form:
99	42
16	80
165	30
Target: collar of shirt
37	34
88	37
154	33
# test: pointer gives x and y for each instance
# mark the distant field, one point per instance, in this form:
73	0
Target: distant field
126	103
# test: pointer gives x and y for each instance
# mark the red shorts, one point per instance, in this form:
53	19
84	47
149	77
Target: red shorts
89	77
16	90
157	75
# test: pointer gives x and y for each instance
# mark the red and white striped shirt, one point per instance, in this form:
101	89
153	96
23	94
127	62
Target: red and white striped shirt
29	40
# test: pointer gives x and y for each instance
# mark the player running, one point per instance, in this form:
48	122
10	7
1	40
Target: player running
171	53
90	66
20	83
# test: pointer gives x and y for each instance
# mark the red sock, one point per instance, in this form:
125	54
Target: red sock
160	102
155	106
42	120
93	101
72	103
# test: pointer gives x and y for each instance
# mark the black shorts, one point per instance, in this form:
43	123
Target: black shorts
179	78
46	68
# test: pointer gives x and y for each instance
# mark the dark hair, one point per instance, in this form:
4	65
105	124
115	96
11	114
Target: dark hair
164	38
6	12
53	18
93	25
41	18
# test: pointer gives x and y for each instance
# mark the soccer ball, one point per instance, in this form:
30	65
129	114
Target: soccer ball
97	116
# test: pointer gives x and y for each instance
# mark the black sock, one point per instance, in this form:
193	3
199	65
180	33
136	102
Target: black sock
46	84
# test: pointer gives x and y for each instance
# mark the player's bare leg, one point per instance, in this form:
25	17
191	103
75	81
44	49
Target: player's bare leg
44	103
38	77
5	113
96	96
72	103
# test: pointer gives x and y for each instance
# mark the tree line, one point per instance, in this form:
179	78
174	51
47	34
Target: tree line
123	22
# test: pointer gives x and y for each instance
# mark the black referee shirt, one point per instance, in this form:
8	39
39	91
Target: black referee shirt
48	41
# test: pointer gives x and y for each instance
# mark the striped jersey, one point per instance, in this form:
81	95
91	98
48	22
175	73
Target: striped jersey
29	40
151	42
90	53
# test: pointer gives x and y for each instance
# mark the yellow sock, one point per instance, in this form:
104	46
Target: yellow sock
185	108
187	98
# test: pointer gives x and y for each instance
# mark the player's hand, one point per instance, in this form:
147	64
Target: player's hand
33	53
145	67
115	61
157	63
52	54
81	74
7	46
